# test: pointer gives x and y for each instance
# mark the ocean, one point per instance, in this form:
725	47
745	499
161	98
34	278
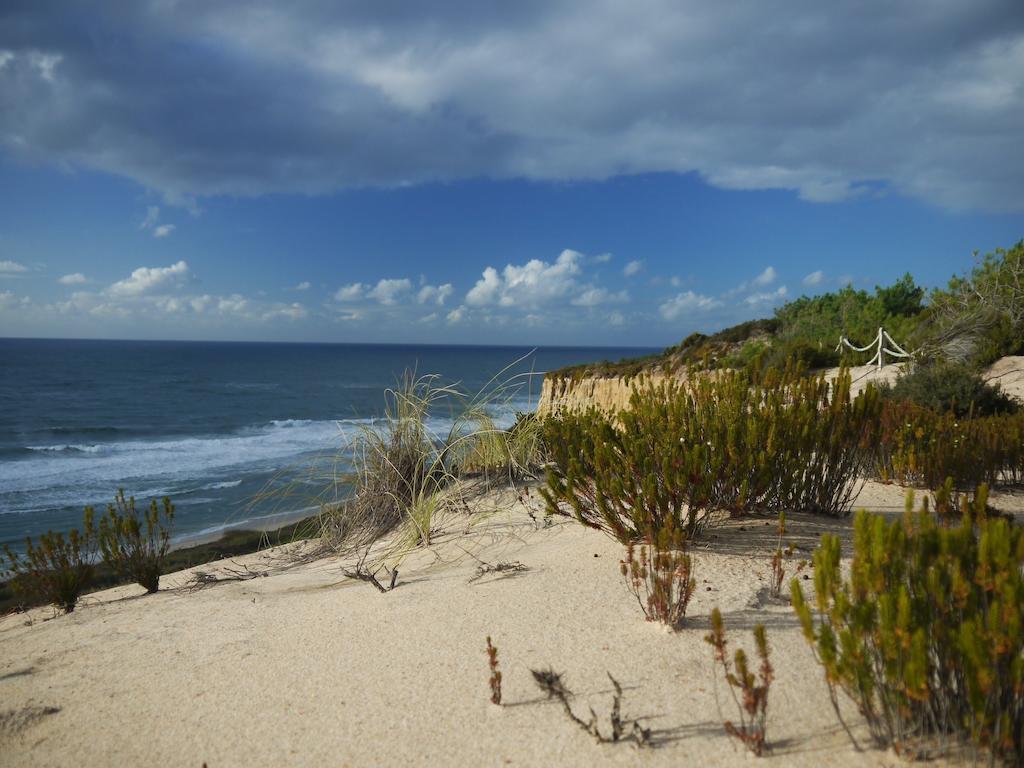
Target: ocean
237	434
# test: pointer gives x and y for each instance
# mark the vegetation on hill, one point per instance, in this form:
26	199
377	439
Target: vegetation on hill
977	318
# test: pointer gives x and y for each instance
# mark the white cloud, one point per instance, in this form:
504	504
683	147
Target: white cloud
388	291
616	319
531	284
687	302
233	304
8	268
151	218
437	294
45	63
765	278
815	278
8	300
202	303
294	311
593	297
350	292
675	282
162	230
428	319
633	267
76	278
146	280
602	258
486	289
456	315
305	285
766	297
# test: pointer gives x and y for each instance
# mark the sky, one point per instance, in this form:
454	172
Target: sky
558	172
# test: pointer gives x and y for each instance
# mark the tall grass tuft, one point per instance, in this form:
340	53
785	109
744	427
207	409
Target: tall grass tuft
406	472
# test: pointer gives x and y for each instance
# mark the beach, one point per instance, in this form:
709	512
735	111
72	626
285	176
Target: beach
303	666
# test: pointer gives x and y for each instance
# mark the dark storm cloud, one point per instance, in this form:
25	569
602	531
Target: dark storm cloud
829	99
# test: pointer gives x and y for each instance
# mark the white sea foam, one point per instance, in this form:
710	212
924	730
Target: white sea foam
63	474
66	448
218	486
77	474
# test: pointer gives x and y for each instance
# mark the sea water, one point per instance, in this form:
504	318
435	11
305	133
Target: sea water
237	434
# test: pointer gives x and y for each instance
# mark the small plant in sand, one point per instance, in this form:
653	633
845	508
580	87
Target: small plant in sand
503	567
551	683
660	576
951	506
926	633
495	680
749	691
56	569
778	567
135	544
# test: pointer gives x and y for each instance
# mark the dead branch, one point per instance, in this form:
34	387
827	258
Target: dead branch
550	682
503	567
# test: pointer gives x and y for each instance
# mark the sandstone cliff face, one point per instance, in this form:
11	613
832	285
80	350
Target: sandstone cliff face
612	394
607	394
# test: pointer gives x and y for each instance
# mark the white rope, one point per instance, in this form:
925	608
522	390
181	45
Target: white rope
879	342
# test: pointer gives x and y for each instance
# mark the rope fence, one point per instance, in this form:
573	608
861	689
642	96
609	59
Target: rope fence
879	344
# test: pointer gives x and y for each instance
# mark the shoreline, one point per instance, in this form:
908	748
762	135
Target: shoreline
231	542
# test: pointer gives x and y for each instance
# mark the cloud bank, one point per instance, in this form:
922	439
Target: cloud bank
831	100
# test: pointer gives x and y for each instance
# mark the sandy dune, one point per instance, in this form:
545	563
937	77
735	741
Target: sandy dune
304	667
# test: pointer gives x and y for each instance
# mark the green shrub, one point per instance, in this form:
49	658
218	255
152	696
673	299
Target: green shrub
630	478
980	316
56	570
950	387
919	446
135	544
733	441
926	634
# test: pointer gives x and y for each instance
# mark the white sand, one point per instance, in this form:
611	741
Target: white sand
308	668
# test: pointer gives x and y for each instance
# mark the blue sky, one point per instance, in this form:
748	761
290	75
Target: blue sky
559	173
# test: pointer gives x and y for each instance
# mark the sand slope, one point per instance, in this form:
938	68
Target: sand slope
307	668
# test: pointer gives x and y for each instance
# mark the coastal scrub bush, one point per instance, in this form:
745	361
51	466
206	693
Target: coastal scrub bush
926	634
135	544
950	387
749	691
660	576
979	317
919	446
56	569
735	441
